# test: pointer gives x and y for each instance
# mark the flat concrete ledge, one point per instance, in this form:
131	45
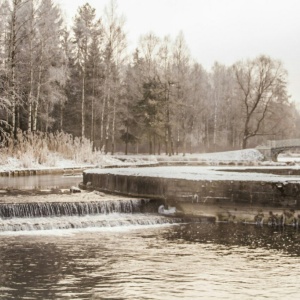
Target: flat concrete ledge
223	198
207	192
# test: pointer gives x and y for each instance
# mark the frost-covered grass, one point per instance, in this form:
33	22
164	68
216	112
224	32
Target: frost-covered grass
35	150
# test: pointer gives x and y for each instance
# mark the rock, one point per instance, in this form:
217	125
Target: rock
75	189
89	184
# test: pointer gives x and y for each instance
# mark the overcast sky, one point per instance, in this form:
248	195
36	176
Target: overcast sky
216	30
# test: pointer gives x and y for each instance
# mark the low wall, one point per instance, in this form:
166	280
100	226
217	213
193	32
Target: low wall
203	197
50	171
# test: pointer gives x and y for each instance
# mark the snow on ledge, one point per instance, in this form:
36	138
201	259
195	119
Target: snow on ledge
195	173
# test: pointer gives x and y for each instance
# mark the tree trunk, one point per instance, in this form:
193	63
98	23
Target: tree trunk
93	103
158	150
37	100
107	122
107	129
215	121
166	141
184	139
31	73
244	142
102	123
113	128
177	142
126	141
83	106
150	144
13	64
61	115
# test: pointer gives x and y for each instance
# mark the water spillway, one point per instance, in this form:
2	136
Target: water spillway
57	209
107	212
84	222
212	191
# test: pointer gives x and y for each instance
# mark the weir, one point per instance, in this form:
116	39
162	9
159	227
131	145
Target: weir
57	209
84	222
215	192
104	213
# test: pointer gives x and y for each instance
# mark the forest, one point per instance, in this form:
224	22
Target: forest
81	79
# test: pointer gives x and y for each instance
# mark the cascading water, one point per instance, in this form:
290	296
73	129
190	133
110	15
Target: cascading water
57	209
67	215
111	220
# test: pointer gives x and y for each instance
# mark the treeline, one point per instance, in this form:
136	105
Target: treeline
83	81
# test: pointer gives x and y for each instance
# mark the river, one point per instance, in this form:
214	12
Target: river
183	261
140	255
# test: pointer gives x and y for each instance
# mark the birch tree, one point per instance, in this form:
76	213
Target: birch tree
48	57
223	108
14	41
95	67
115	46
167	81
5	95
199	95
83	31
181	69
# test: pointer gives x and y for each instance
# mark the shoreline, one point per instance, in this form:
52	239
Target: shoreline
44	171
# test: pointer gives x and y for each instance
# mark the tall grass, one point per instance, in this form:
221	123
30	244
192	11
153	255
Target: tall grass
40	148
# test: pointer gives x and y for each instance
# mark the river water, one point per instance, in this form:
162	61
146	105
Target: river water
180	261
141	256
39	182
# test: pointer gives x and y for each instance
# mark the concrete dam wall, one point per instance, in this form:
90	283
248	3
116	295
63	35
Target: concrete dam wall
243	198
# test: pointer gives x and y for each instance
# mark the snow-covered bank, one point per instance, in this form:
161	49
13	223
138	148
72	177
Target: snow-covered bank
238	156
55	162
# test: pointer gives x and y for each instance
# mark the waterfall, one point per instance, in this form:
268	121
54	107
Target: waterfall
57	209
83	214
76	215
95	221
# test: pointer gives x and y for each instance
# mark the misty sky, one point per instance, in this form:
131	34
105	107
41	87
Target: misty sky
216	30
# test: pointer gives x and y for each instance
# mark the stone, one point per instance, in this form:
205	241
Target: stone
75	189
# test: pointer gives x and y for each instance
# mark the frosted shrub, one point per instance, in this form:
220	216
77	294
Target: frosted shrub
3	157
62	143
83	151
27	160
45	148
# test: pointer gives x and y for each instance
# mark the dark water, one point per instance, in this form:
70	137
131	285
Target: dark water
186	261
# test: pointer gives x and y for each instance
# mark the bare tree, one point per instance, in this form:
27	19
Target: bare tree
181	69
115	46
260	82
83	30
165	64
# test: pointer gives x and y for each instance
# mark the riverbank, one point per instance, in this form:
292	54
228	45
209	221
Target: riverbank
250	157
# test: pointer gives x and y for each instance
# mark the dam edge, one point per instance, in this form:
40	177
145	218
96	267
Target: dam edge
239	200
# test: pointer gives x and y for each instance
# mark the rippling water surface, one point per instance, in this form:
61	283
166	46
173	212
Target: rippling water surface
186	261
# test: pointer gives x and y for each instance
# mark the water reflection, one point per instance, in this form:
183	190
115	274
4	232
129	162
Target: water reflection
285	239
39	182
189	261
